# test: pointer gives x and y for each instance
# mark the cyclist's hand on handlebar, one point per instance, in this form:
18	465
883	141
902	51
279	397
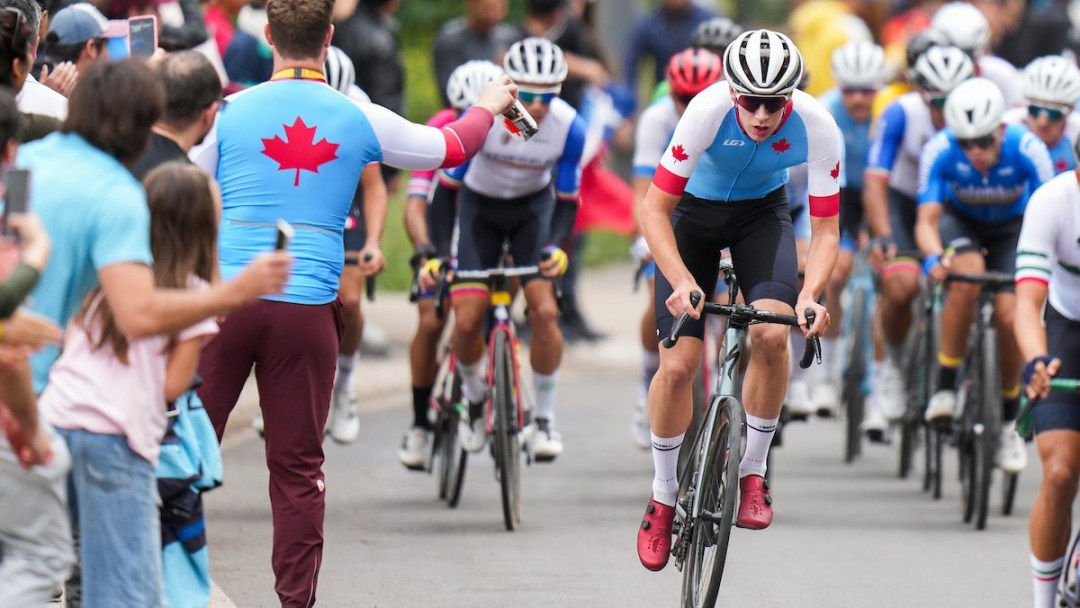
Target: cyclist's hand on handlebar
679	302
1037	374
821	315
553	262
881	248
428	276
937	266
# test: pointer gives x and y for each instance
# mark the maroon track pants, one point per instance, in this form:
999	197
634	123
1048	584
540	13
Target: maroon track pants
293	348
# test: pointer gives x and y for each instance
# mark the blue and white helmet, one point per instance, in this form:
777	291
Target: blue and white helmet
339	70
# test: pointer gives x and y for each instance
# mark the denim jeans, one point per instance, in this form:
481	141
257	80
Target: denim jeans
35	541
113	503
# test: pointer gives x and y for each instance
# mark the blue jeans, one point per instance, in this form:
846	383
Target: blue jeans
113	502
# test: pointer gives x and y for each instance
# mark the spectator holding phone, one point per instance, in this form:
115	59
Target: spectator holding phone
35	538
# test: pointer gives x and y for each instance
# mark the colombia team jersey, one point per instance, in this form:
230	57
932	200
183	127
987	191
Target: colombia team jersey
276	159
711	157
947	177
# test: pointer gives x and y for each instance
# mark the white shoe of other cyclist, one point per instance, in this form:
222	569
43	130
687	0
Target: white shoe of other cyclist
473	436
344	422
826	397
942	407
800	403
414	448
639	427
544	442
874	424
257	423
889	390
1012	452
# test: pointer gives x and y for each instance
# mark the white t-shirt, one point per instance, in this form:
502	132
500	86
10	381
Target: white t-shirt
36	98
1049	247
90	389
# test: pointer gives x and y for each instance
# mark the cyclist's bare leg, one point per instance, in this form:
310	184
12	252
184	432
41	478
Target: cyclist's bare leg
422	353
1008	352
959	310
349	291
546	346
899	286
469	309
671	398
764	387
649	340
1051	515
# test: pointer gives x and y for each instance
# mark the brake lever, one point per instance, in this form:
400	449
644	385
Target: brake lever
670	341
813	343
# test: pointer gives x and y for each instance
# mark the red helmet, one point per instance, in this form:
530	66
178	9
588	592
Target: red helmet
693	70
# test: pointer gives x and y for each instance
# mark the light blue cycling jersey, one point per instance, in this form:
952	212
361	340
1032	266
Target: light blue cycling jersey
712	157
947	177
856	138
1061	152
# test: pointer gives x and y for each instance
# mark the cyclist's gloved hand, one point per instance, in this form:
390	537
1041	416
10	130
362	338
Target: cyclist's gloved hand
936	266
640	250
553	261
429	272
1037	374
423	253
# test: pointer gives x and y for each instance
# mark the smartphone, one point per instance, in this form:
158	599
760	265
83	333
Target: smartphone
285	233
142	36
16	196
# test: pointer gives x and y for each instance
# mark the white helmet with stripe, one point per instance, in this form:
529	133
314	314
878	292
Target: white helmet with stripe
763	62
941	68
1052	79
964	26
340	72
974	108
859	64
468	79
535	60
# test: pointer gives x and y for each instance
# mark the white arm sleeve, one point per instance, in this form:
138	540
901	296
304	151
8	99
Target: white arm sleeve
405	144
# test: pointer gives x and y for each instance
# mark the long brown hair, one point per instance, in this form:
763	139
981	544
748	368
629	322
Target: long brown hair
183	240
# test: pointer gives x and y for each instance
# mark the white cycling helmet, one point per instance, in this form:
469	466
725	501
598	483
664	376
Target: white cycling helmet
716	34
468	79
974	108
859	64
763	62
1052	79
535	61
340	72
964	25
941	68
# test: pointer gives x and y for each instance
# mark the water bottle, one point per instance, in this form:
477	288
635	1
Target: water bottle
519	122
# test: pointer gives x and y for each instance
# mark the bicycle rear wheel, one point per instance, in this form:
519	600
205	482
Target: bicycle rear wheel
989	423
969	399
855	375
507	442
1008	493
919	372
716	485
1069	584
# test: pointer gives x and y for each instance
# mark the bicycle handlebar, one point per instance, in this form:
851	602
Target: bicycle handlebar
491	273
992	279
753	316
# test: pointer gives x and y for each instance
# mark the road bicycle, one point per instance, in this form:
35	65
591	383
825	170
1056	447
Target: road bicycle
504	407
920	374
1069	584
708	487
977	427
858	349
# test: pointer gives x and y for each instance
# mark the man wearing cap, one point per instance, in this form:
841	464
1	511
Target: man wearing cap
77	34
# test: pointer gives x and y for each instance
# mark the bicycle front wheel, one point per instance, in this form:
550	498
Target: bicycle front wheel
855	375
988	425
717	486
507	441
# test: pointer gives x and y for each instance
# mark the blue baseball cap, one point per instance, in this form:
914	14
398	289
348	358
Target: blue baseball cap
78	23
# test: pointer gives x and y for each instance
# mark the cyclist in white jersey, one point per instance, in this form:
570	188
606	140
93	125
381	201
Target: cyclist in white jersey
889	191
1051	90
1048	278
526	191
688	73
721	184
966	27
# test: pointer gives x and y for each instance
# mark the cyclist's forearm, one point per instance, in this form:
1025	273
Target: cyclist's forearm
927	235
374	203
641	186
660	236
416	221
876	204
824	249
1027	324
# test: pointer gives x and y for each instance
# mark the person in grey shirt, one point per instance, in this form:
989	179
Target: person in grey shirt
480	34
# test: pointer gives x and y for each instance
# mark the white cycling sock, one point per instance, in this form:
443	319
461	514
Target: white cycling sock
650	364
472	380
545	385
665	457
345	364
759	434
829	358
1044	580
797	347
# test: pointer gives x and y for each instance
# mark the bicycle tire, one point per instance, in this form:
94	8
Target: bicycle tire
507	444
854	375
989	419
709	537
1008	493
970	395
939	453
441	400
439	442
1068	594
918	382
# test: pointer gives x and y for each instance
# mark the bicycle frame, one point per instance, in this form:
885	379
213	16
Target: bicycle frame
500	302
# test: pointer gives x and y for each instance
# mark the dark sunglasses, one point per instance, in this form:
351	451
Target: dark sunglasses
985	142
531	97
1053	114
937	102
772	104
683	99
859	91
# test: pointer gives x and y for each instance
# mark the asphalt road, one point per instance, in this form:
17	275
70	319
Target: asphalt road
843	535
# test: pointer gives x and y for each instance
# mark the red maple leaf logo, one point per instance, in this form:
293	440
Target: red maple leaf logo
781	146
300	152
835	173
678	153
1061	165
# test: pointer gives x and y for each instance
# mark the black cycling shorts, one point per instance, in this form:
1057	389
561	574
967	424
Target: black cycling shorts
355	229
903	213
762	242
484	222
851	217
1060	411
965	235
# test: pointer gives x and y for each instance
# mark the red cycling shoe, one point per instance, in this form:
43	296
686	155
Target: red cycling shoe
755	503
654	536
